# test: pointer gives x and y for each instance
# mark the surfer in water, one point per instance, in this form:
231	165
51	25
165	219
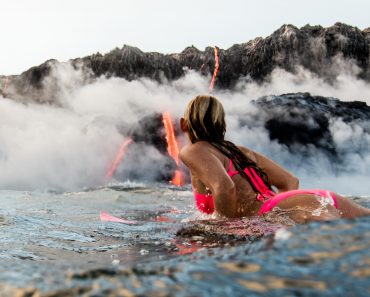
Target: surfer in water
235	181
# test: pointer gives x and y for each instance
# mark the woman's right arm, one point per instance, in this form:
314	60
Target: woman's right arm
278	176
205	166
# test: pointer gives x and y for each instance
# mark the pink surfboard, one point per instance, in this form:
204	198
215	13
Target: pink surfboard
104	217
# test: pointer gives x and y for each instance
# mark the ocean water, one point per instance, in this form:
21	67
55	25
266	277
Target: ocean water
49	226
62	232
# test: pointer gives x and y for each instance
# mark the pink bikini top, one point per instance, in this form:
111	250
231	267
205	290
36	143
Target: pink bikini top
204	202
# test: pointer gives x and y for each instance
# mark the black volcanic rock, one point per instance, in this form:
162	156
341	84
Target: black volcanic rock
312	47
149	131
300	118
131	63
285	48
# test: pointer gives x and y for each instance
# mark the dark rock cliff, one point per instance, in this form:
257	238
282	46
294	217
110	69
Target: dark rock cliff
312	47
300	118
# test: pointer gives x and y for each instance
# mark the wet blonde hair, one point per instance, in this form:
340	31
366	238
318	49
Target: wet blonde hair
205	119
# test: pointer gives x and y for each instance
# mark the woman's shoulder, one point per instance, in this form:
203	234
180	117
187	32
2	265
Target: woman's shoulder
200	148
194	148
200	151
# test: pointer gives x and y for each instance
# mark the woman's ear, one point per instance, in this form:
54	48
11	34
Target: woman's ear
183	125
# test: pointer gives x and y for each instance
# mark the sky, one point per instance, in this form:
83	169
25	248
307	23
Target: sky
33	31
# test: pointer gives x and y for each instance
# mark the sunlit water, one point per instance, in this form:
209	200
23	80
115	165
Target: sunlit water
49	226
64	231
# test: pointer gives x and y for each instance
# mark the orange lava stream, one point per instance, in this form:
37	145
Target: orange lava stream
177	178
117	160
172	146
215	71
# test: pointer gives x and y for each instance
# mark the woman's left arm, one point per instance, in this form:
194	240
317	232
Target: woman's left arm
278	176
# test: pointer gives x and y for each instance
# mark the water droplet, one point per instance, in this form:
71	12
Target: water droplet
197	238
282	234
113	256
144	252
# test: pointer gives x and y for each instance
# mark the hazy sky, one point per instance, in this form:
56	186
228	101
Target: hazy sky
33	31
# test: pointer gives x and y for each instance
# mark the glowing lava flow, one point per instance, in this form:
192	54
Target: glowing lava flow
215	71
117	160
172	146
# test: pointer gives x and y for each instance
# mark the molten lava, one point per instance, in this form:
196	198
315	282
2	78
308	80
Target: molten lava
172	146
215	71
117	160
177	178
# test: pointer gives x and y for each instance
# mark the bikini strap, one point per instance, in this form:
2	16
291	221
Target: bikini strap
229	170
263	191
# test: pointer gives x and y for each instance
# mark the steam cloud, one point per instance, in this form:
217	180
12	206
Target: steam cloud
69	145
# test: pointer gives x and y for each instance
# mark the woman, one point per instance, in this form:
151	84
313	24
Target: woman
236	182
